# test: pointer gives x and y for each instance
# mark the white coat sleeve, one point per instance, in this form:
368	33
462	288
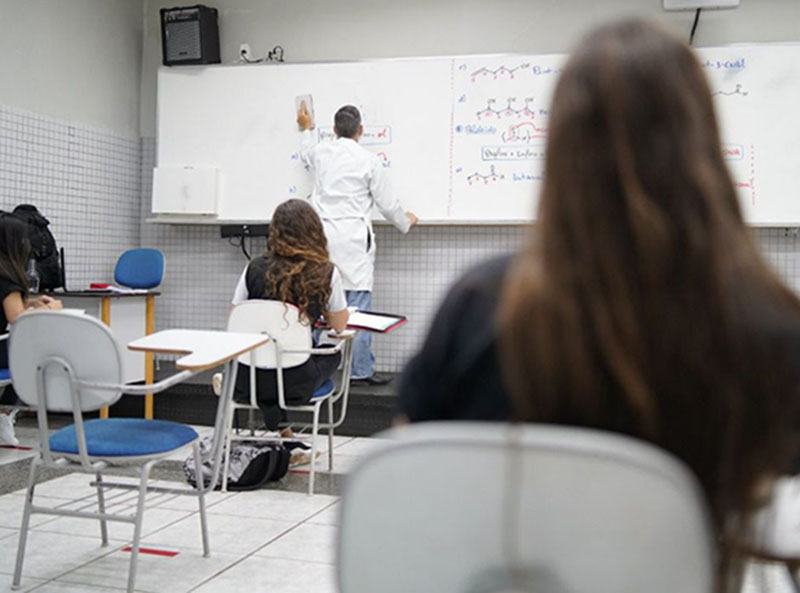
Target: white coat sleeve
307	146
387	204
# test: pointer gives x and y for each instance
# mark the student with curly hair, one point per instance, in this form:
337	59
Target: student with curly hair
295	269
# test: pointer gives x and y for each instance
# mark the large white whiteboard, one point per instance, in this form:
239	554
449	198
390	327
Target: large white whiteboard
463	137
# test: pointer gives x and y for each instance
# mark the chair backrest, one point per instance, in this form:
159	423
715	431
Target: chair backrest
281	322
81	341
479	507
140	268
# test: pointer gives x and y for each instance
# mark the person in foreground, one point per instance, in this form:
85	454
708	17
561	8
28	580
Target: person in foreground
15	250
295	269
640	303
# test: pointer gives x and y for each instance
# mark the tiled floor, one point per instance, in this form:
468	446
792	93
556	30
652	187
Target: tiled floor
267	540
274	541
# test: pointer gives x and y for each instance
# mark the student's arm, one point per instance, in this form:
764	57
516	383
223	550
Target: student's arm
44	302
337	319
13	306
307	143
388	204
240	292
336	313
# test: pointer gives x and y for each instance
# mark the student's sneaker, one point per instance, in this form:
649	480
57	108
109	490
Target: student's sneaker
216	383
7	435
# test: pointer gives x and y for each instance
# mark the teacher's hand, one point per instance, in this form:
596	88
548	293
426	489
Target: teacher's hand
303	117
412	218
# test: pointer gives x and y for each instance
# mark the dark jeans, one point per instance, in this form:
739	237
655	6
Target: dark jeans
299	384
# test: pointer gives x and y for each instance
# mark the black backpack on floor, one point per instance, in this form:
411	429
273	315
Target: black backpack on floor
43	246
251	465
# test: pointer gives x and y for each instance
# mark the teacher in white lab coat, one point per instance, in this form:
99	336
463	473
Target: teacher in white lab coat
348	180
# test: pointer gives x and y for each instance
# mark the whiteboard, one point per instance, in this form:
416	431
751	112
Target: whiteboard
463	138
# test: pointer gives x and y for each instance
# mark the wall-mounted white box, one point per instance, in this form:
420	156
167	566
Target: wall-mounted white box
185	190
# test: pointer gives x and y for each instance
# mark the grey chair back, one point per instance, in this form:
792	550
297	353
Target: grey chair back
482	507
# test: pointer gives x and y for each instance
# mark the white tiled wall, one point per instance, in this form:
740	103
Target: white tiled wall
95	188
85	181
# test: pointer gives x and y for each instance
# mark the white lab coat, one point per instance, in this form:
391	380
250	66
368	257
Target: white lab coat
348	180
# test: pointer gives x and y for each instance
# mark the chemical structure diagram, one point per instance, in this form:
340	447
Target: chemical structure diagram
384	159
477	177
524	132
497	72
738	90
508	111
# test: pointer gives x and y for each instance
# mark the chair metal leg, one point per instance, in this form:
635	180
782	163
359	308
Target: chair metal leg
228	432
101	507
137	529
313	462
26	519
330	435
201	497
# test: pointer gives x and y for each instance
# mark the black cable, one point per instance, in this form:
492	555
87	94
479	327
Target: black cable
244	250
694	25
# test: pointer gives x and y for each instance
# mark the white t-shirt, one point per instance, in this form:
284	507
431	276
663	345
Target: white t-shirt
336	302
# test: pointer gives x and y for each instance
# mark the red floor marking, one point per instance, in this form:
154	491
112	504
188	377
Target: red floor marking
16	448
153	551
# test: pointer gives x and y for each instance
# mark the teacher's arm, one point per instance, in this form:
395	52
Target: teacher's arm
307	144
387	203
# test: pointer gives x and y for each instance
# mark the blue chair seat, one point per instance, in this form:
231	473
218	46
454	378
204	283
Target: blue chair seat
323	390
5	375
124	437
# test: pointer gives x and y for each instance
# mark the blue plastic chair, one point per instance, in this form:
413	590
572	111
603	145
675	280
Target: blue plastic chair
140	268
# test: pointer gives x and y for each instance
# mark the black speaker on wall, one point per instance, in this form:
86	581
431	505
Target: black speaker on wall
189	35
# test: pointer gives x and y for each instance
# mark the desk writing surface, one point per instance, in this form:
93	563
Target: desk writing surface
203	348
463	138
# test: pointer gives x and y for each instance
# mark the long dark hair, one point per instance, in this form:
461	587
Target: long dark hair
641	303
15	249
299	269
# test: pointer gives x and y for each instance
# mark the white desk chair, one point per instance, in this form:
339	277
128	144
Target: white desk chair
290	346
480	507
67	363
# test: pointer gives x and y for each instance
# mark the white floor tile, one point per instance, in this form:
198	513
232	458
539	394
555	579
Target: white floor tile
361	446
342	464
11	507
274	575
305	542
155	574
329	516
226	533
273	504
189	503
48	555
27	584
72	486
58	587
154	519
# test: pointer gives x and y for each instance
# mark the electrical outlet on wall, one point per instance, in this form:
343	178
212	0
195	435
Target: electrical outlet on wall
244	50
695	4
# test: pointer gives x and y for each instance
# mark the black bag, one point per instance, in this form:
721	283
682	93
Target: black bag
43	246
251	465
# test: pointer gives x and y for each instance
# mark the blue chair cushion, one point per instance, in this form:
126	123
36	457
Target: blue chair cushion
124	437
5	374
323	390
140	268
